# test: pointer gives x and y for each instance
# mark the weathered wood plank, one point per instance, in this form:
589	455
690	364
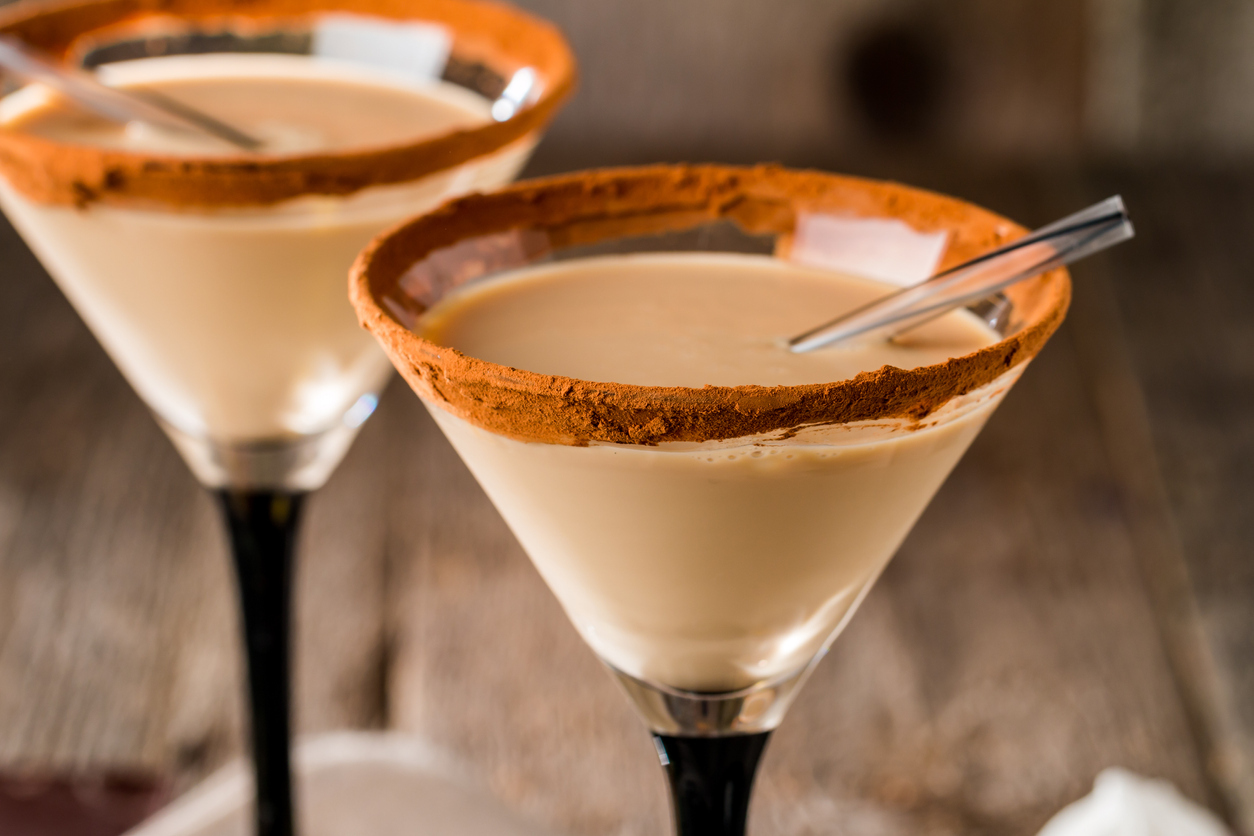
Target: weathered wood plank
1010	651
1188	311
1143	329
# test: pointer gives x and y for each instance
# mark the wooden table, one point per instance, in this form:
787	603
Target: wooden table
1079	595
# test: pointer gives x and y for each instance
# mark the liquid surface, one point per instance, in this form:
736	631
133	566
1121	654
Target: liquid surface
294	104
691	319
234	325
709	567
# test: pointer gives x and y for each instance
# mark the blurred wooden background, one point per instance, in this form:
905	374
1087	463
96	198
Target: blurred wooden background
1080	594
1030	80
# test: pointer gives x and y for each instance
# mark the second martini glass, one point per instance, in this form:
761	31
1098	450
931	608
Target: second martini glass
708	541
214	279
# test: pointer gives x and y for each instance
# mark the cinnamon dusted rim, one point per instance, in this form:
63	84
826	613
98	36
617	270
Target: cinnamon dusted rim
597	205
485	36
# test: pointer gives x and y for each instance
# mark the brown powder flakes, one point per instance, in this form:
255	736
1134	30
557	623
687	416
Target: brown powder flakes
599	205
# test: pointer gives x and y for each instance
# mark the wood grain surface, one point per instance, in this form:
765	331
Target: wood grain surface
1189	312
1079	594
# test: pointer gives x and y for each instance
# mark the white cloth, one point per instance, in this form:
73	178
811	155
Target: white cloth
1125	804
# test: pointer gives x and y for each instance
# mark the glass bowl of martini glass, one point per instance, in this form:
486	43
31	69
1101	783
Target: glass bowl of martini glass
607	353
214	278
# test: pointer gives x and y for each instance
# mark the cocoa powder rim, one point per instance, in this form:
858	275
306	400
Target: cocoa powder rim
592	206
494	34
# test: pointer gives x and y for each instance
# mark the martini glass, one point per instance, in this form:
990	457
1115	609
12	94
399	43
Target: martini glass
708	543
215	280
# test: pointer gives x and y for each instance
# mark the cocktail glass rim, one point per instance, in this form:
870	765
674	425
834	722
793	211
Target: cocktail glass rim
532	217
63	173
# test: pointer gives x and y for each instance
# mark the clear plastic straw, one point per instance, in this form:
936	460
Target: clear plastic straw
1062	242
145	106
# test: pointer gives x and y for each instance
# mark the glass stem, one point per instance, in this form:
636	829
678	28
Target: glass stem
711	778
262	527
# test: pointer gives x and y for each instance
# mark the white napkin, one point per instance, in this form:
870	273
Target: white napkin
1125	804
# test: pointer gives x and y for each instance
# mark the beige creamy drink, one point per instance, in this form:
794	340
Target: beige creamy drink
232	323
714	566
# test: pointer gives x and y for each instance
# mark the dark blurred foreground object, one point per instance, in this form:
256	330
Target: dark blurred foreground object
86	805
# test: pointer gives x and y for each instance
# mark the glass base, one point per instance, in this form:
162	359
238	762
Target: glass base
302	463
669	711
